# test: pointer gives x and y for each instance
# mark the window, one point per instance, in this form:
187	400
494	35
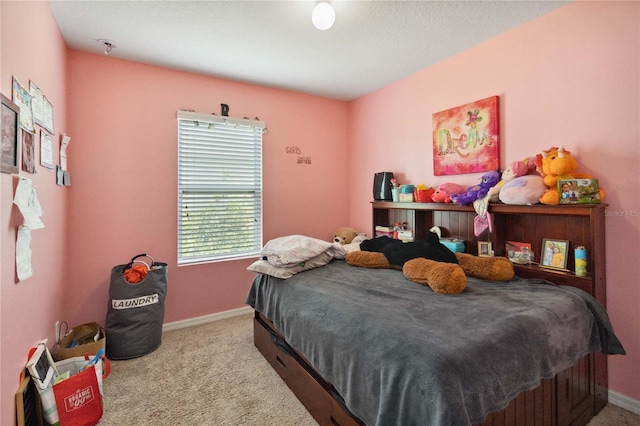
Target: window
219	187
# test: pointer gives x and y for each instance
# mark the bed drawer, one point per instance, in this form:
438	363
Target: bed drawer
535	407
291	367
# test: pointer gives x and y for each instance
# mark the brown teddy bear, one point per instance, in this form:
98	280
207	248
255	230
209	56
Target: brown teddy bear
430	263
344	235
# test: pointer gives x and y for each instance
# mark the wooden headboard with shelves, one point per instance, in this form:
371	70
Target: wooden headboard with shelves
581	225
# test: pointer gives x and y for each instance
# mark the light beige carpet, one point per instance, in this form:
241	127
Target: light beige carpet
209	374
212	374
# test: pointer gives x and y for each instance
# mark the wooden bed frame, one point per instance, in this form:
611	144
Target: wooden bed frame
572	397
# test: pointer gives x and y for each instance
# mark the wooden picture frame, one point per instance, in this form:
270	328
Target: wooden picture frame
28	152
554	254
484	249
10	128
28	405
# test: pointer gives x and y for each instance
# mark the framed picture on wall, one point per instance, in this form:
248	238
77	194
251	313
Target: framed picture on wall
28	152
10	128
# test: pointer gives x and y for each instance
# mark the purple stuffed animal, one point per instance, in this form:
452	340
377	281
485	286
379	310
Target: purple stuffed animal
479	191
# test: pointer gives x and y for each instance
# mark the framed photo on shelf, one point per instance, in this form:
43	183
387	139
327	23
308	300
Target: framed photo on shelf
579	191
519	252
554	254
484	249
10	128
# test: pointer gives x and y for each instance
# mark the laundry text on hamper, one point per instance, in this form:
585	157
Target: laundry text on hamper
136	302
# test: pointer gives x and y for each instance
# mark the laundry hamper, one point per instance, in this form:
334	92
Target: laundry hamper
135	314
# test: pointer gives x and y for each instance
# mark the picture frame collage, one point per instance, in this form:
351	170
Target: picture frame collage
26	124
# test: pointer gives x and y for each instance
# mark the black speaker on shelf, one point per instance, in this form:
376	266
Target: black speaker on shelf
382	186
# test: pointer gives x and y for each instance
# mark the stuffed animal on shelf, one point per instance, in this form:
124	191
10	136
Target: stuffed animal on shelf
430	263
479	191
515	170
442	193
523	190
483	220
344	235
558	163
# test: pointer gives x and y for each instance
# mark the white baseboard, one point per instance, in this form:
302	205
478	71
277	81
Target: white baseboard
624	402
206	319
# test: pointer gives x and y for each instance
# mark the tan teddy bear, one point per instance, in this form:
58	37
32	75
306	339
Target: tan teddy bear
344	235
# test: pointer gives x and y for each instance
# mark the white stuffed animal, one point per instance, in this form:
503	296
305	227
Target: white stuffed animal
523	190
354	245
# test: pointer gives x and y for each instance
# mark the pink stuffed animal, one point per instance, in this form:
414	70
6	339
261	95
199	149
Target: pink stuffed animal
443	192
515	169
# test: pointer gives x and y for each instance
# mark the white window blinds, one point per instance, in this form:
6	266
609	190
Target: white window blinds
219	187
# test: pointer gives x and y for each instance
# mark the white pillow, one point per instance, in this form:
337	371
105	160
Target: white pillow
264	267
352	247
291	250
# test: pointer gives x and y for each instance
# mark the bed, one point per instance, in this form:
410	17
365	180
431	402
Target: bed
364	346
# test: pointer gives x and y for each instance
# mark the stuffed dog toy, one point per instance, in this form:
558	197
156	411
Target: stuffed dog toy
430	263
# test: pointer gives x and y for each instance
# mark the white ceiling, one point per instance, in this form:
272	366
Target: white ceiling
274	43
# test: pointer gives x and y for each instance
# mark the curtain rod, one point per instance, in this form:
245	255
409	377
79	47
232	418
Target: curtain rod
214	118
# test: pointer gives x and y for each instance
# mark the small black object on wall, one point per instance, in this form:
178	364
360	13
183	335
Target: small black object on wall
382	186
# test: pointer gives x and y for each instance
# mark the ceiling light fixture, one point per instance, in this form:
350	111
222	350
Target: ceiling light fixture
108	45
323	16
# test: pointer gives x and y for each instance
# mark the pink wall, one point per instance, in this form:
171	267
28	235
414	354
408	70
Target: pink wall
29	309
570	77
122	159
124	164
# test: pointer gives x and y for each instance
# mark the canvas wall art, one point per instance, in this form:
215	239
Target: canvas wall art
466	139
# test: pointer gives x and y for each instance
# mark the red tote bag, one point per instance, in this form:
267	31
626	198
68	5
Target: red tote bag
78	399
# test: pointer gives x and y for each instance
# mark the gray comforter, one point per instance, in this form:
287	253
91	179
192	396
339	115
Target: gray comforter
400	354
